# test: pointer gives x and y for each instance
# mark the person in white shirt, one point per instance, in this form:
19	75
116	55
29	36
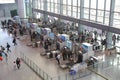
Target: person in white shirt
58	58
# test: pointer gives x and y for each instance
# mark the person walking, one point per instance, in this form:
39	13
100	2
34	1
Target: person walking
14	41
2	48
14	65
5	22
1	56
58	58
8	48
15	33
18	62
2	22
6	57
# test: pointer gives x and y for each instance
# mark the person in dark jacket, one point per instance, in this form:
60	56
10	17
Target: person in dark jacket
18	62
8	48
14	41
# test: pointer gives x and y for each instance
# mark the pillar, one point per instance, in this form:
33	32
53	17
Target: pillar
61	7
21	8
81	27
45	9
111	16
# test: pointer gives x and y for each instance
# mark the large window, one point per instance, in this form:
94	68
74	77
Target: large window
69	2
64	9
108	4
74	14
39	4
93	14
117	5
86	13
117	14
100	16
79	3
107	18
74	8
52	7
36	4
64	2
78	16
75	2
94	10
93	4
48	6
69	13
42	4
56	8
101	4
86	3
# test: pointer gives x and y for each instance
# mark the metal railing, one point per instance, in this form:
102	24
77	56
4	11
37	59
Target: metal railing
93	69
67	76
101	67
43	75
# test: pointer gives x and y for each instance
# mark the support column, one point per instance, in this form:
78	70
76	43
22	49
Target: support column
104	11
30	8
109	40
111	16
77	9
67	8
33	6
28	5
72	8
89	9
81	27
96	11
21	8
61	7
45	9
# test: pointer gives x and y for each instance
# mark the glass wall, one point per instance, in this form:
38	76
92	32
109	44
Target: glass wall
28	8
94	10
64	7
49	5
117	14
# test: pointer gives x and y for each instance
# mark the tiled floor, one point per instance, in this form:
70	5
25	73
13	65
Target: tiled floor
49	66
7	71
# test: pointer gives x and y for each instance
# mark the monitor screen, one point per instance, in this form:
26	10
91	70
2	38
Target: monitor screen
6	1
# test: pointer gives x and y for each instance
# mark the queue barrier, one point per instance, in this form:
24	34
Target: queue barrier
66	76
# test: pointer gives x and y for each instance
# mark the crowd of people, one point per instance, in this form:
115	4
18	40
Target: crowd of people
4	54
6	49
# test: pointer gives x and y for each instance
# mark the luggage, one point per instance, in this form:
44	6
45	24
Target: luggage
72	72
